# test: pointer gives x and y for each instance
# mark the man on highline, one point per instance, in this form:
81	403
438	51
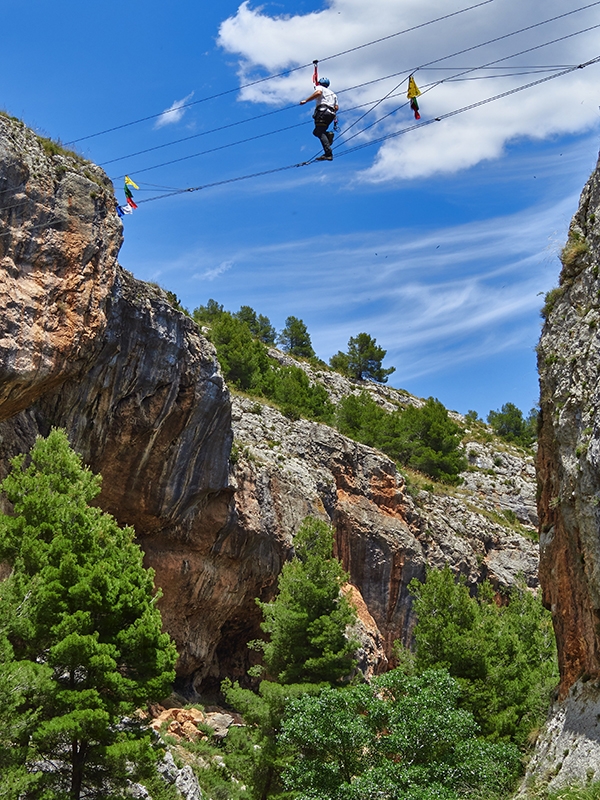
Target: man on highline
323	116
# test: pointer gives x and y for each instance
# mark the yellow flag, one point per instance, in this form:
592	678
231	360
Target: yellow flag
413	89
129	182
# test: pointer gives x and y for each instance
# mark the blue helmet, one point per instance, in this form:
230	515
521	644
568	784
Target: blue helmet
323	81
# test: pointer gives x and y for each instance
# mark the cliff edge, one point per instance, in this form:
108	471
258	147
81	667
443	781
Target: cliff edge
569	500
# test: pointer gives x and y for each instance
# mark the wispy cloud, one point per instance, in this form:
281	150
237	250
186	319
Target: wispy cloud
174	113
566	105
214	272
433	300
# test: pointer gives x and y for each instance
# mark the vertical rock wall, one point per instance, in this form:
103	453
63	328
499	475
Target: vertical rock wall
569	447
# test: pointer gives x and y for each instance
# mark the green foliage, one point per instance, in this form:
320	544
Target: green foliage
360	418
425	438
55	148
306	622
243	358
207	314
397	738
362	361
307	649
291	389
550	300
574	249
260	326
246	364
257	749
80	631
541	792
176	302
295	339
512	427
504	657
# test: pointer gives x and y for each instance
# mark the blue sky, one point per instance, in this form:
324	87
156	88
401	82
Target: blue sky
440	243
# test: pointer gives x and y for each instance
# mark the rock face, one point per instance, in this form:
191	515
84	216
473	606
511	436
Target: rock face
85	346
569	450
569	500
285	470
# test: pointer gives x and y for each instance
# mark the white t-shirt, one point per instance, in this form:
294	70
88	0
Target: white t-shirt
327	98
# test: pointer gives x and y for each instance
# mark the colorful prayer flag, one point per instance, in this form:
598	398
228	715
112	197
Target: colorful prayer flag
129	195
413	89
415	107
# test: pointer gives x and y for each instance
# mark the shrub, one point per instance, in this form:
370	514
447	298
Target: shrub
510	424
504	657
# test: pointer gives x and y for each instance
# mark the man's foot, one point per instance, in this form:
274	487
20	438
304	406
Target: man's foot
325	158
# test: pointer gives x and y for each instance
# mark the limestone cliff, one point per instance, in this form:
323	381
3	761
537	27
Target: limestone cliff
569	500
85	346
569	450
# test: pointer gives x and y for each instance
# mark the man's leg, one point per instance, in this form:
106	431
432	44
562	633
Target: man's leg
320	132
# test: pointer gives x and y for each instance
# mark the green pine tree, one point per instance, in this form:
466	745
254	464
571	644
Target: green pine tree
306	622
307	649
295	339
80	629
362	361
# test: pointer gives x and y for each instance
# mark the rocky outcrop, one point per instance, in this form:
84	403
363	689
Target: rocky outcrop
85	346
569	502
567	752
285	470
569	449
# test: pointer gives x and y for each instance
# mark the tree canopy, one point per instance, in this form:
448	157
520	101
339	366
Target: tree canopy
510	424
424	438
398	738
295	339
504	657
306	622
362	360
259	325
79	630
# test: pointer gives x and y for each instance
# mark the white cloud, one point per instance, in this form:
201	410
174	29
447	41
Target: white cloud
174	113
265	43
214	272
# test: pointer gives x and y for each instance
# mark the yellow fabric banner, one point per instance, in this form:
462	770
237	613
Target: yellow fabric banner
129	182
413	89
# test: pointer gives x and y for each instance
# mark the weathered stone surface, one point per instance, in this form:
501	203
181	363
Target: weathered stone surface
286	470
567	752
59	239
85	346
569	449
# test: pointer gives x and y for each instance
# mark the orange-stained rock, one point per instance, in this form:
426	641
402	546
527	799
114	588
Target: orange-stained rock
569	448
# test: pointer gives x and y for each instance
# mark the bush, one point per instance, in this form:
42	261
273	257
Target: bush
504	657
425	439
397	738
244	360
512	427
